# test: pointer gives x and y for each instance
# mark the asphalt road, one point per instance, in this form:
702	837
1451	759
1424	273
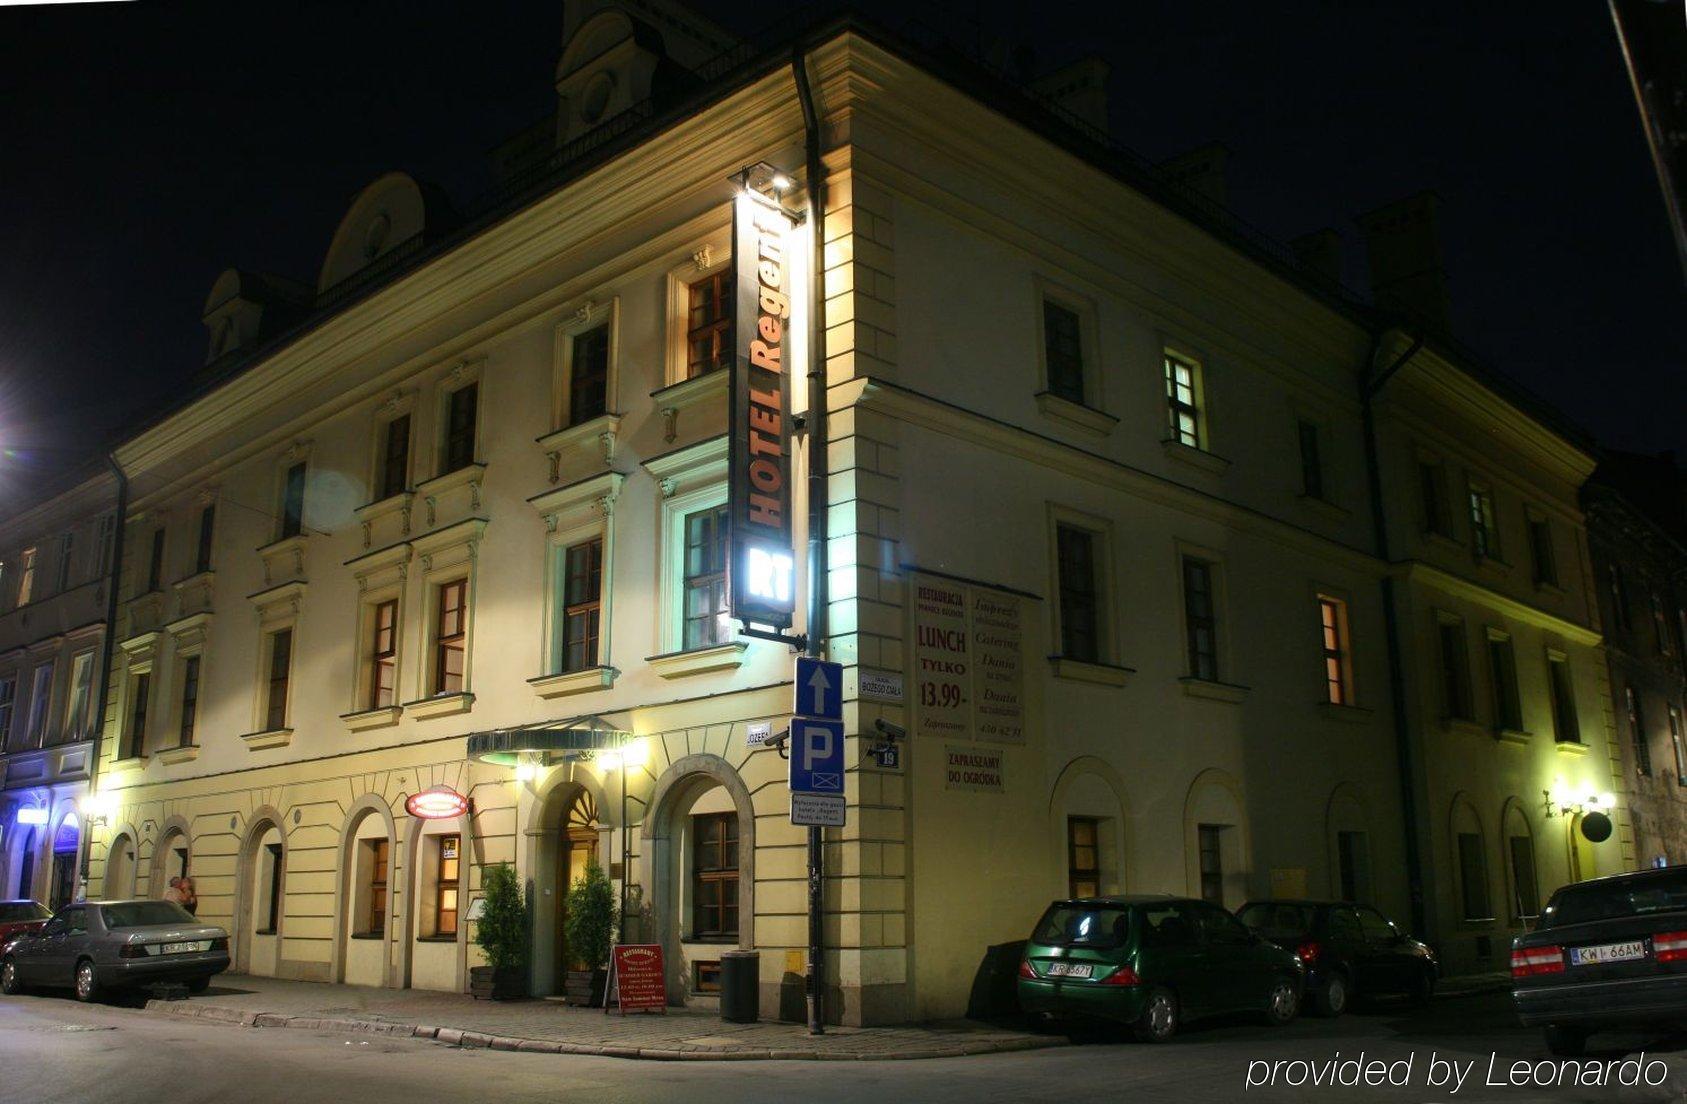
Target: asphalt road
52	1049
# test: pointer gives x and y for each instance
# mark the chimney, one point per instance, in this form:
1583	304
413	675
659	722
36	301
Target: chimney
1080	88
1319	253
1200	171
1403	247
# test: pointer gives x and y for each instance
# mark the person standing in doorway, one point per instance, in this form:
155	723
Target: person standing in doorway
174	893
190	899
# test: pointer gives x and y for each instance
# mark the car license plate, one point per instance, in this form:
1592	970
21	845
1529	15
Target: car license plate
178	948
1606	952
1071	969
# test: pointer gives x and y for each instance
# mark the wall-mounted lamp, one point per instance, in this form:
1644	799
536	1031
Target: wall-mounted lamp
98	808
763	179
1561	800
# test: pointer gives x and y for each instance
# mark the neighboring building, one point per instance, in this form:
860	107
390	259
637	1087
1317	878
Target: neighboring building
1635	523
1100	538
55	570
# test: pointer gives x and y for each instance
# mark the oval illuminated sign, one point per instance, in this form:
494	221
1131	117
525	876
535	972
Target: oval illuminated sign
436	803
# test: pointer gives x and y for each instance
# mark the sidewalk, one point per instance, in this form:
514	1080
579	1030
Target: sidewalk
552	1027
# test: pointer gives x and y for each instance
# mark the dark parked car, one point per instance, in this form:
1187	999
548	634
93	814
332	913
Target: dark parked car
1607	953
97	945
1349	951
1152	963
21	916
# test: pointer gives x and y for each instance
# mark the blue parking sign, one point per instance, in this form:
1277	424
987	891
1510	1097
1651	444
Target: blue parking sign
817	756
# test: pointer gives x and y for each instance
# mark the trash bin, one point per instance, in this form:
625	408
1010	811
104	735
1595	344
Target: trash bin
740	986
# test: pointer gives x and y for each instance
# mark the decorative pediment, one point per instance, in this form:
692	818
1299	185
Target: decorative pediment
278	604
382	567
704	462
453	545
599	433
396	507
467	479
578	502
284	559
190	632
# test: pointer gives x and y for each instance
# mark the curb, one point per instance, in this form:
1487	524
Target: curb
452	1036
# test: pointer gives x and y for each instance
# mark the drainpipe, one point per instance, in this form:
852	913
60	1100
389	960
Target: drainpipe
1406	759
108	645
816	628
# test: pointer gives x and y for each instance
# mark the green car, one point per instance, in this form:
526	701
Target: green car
1152	962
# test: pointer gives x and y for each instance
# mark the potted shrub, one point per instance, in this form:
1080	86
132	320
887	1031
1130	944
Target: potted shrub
502	935
589	927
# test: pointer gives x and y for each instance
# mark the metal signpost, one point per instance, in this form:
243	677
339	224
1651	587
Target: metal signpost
817	787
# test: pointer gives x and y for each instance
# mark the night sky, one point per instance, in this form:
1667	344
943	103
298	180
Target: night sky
144	148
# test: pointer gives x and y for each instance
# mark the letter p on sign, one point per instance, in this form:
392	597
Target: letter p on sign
817	756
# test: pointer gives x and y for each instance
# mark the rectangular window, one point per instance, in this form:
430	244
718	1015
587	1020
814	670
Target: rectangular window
8	698
1338	666
705	610
1311	462
714	880
26	577
280	672
1183	401
40	697
1484	534
395	457
76	713
1473	877
1063	352
1502	666
1540	552
272	918
383	654
108	527
1660	626
207	529
140	690
190	699
1212	863
1353	859
1432	489
1637	732
293	501
1199	619
450	637
1456	701
67	549
708	328
380	854
1083	856
447	883
588	375
461	411
1526	897
1566	729
1675	742
582	589
1080	619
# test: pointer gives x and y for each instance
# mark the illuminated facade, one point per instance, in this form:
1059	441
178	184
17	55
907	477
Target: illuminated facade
1099	538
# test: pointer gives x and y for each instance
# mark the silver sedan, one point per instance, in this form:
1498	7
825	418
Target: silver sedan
94	946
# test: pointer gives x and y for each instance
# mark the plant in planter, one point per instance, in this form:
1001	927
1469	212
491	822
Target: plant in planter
503	936
589	927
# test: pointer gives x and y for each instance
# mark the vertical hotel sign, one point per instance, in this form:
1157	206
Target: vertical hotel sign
762	568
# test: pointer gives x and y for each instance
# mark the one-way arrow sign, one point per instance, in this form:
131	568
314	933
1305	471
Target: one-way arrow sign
819	689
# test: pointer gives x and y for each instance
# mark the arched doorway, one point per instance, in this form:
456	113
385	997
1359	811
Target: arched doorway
61	889
369	882
260	899
170	859
577	846
120	867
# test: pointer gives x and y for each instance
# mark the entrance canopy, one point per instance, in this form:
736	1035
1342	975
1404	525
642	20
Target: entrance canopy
548	742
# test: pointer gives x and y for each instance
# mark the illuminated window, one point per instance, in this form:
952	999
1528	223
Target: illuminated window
1432	491
714	879
1338	666
582	604
140	690
190	700
461	410
1063	351
383	654
1080	614
1540	552
40	697
378	858
395	456
588	375
1456	703
81	697
1566	728
1637	732
1183	401
1083	856
1211	838
26	578
708	330
207	530
1200	619
280	673
446	887
1484	535
450	636
1311	460
1502	667
293	501
705	609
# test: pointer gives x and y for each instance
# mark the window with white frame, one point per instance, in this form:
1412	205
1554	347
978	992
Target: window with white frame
188	724
392	474
588	374
1337	651
382	675
580	612
1183	400
79	704
67	550
1200	617
26	577
706	621
1502	671
1566	728
8	701
40	701
449	637
1484	530
292	511
135	722
1079	554
460	425
278	679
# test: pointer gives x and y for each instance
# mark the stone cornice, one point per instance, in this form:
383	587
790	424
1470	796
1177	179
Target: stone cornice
1416	571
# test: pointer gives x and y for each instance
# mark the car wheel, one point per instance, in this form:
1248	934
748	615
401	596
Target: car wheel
9	982
199	985
1423	987
87	982
1331	997
1158	1021
1281	1002
1566	1042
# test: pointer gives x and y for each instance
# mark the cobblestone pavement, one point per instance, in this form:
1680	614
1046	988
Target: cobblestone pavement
550	1026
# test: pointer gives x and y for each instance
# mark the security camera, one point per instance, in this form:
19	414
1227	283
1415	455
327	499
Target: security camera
889	730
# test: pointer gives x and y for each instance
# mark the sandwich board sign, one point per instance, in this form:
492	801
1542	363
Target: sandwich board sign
637	980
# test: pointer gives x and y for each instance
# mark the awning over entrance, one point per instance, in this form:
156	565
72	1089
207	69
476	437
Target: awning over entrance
548	742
